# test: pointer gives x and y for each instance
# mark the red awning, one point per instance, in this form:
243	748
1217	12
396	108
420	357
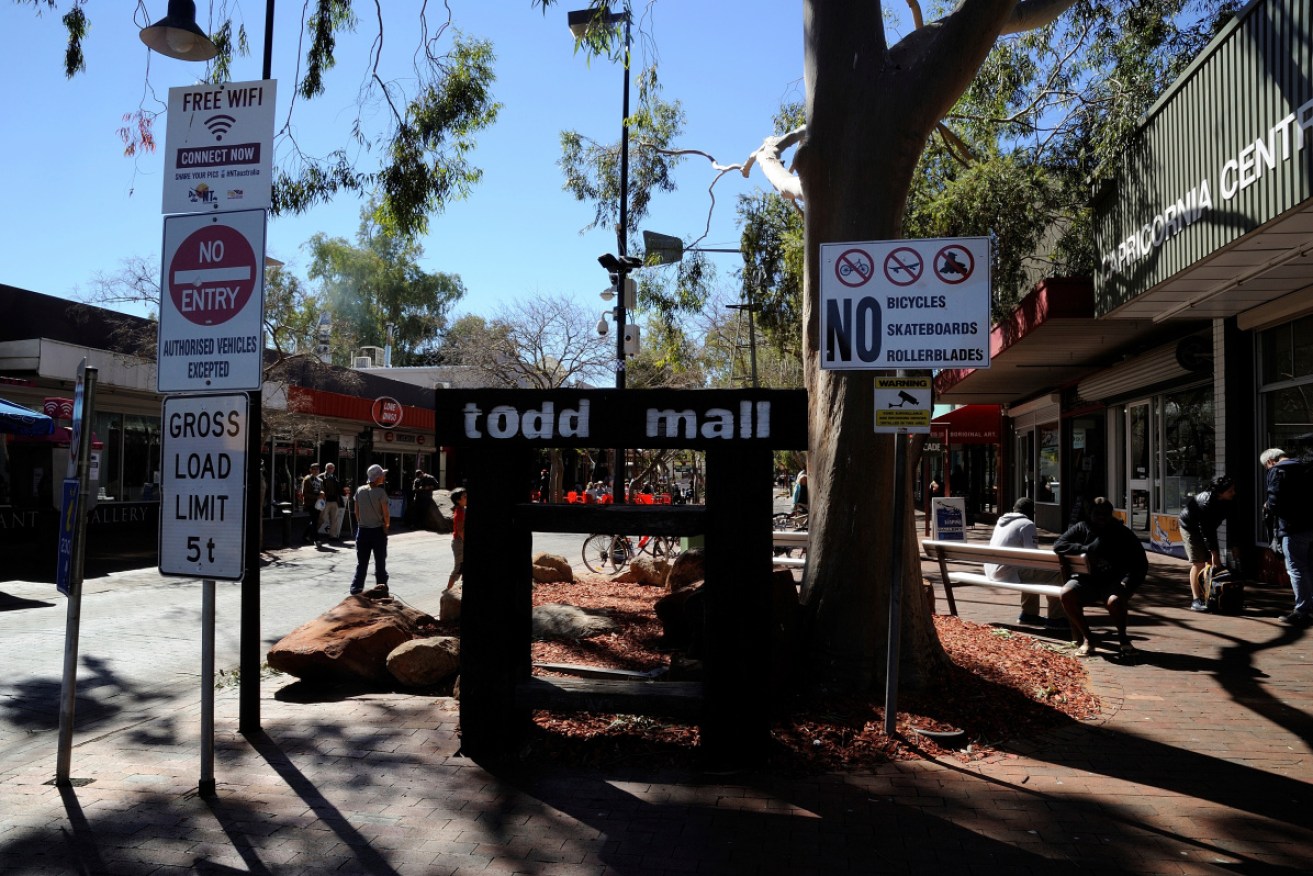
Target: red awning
972	424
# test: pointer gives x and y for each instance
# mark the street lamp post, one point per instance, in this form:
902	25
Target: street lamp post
622	263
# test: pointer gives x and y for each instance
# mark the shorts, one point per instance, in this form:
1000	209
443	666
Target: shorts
1196	551
1090	592
458	551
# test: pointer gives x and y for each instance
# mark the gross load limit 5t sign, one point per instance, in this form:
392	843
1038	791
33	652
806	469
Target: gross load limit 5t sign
905	304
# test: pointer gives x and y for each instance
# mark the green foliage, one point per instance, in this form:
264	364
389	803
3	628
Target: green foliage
377	283
75	20
1046	111
426	135
667	358
592	168
328	17
290	312
772	244
430	151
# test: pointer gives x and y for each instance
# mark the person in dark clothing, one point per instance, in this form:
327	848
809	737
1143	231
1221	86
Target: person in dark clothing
1117	568
311	493
421	499
1288	502
1203	513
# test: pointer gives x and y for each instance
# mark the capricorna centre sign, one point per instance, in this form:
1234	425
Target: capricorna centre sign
1225	150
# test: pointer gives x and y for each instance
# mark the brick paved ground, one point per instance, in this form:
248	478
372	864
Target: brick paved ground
1200	764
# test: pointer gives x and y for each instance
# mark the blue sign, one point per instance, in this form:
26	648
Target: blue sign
68	531
949	518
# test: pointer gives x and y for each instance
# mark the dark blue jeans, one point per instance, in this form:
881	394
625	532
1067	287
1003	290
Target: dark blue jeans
373	540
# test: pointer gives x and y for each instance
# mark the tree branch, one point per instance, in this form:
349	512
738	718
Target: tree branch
1034	14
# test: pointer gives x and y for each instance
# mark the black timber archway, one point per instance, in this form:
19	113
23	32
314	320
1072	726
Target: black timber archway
498	430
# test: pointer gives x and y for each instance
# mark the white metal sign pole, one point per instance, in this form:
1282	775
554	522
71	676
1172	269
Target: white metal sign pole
892	655
206	787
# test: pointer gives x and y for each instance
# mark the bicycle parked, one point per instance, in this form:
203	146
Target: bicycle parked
609	554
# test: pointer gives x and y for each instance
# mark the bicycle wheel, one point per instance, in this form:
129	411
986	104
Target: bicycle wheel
664	547
605	554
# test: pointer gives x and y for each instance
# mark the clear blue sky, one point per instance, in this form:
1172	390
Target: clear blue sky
75	206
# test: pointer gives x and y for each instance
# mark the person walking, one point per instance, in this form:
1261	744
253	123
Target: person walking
372	520
1288	502
458	500
1203	513
330	522
311	493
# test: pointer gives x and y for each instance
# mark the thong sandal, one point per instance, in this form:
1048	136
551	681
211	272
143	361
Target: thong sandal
1085	648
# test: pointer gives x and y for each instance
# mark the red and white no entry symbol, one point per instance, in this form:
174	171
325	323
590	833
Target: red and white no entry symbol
954	264
903	266
853	268
212	275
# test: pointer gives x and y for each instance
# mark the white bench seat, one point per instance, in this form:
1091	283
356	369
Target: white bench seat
1028	558
790	539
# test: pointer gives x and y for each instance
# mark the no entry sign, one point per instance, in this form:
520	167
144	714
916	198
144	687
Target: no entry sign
212	303
905	304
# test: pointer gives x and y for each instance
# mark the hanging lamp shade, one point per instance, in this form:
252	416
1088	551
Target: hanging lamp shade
178	36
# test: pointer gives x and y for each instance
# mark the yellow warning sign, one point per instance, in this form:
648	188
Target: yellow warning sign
903	404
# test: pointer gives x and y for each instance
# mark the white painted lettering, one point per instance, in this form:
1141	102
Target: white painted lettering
472	414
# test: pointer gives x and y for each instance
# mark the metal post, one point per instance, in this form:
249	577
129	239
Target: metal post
248	690
896	588
73	619
622	236
206	787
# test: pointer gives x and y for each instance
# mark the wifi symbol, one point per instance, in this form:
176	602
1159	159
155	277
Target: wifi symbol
220	125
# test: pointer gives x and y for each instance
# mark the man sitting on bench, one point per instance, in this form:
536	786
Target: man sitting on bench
1117	568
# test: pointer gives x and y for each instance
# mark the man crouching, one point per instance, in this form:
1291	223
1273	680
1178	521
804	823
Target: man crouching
1117	568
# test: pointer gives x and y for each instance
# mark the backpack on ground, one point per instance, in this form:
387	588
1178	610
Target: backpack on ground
1224	593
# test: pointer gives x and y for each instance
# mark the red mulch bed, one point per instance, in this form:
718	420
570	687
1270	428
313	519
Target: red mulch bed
1002	686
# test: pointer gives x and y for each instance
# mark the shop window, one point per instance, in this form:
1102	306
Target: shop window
1287	352
1026	464
108	427
1289	413
1188	445
1049	469
141	458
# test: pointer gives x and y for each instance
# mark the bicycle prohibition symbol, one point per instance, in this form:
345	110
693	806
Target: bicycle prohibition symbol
853	268
609	554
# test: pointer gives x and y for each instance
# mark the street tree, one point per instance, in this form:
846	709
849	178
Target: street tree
376	283
544	342
1048	75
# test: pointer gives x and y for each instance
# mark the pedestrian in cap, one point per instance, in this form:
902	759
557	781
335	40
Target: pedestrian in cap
372	530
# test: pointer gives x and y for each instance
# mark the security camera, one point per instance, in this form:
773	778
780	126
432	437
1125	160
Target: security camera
602	327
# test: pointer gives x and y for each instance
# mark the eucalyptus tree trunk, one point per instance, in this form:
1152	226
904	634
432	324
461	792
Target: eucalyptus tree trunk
870	110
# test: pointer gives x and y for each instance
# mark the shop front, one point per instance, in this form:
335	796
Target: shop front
1196	350
311	414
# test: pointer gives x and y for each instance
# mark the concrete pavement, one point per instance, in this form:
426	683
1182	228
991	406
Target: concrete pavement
1200	763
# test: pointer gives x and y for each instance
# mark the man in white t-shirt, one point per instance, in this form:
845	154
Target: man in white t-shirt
1017	529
